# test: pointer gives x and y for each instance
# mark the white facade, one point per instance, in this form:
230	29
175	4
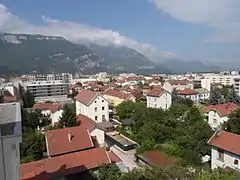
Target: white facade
55	116
100	135
227	80
10	138
97	109
65	77
236	86
194	97
226	159
46	89
214	119
164	101
170	87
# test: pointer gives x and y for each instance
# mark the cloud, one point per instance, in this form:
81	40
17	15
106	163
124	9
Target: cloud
76	32
221	15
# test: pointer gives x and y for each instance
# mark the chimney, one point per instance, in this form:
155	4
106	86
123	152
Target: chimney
70	136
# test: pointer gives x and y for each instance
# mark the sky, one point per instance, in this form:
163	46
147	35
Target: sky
191	30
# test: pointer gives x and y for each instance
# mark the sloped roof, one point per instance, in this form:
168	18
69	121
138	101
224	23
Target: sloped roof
86	96
58	142
119	94
179	82
50	168
188	92
202	90
226	141
222	109
113	157
86	122
47	106
157	158
156	92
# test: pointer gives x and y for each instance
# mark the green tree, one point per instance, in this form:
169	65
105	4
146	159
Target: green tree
178	109
32	147
108	172
28	99
140	84
68	118
126	109
233	124
216	98
30	119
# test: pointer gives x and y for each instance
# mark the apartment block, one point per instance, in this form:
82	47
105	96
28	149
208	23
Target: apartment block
10	138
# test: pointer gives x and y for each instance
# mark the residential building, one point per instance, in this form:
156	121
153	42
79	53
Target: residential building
216	115
159	98
47	90
93	105
61	167
202	83
236	86
53	111
177	84
225	150
226	80
10	138
64	77
191	94
203	93
117	97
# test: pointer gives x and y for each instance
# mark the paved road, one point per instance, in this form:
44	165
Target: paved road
126	156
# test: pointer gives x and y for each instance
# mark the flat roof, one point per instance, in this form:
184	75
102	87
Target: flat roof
121	139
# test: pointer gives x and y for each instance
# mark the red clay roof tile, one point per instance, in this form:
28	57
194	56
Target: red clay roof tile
222	109
156	92
63	165
113	157
188	92
226	141
119	94
58	142
86	96
86	122
47	106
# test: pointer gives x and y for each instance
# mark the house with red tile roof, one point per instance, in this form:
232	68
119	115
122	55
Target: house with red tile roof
159	98
93	105
95	129
190	94
53	111
60	167
67	140
117	97
216	115
178	85
225	150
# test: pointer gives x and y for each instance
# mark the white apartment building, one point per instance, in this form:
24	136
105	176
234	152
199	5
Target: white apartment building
47	90
93	105
216	115
226	80
10	138
225	150
64	77
159	98
236	85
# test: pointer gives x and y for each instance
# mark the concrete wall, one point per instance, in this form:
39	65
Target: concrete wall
163	102
56	116
11	159
229	159
214	120
99	135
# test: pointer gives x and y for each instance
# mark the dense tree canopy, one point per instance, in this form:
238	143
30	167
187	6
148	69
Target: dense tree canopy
233	124
171	173
28	99
155	128
68	118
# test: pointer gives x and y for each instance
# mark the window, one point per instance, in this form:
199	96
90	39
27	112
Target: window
220	155
102	100
103	108
103	117
95	109
95	118
215	121
95	101
236	162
